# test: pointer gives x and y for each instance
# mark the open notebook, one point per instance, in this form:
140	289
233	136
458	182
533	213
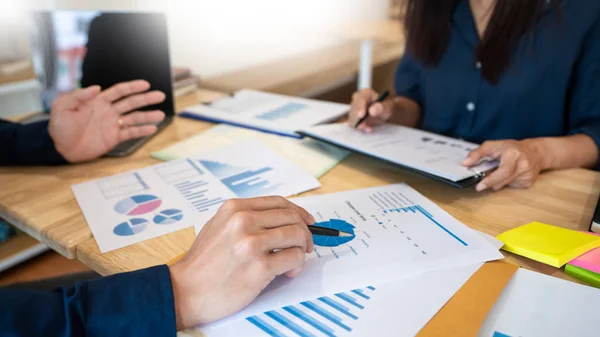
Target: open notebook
267	112
433	155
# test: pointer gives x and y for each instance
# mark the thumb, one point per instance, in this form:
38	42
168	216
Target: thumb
87	93
487	149
73	100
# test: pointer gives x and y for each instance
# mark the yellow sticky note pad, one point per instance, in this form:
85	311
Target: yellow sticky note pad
548	244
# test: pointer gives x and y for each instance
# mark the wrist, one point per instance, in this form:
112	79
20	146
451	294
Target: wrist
57	146
178	298
541	149
405	112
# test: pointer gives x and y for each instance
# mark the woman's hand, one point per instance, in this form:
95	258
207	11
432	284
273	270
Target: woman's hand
520	163
378	113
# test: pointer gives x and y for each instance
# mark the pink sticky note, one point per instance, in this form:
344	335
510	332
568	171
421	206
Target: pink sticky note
589	260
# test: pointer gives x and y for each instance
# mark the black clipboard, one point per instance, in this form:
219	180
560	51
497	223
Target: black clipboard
468	182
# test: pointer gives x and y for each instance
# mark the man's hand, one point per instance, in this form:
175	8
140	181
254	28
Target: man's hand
520	163
87	123
236	255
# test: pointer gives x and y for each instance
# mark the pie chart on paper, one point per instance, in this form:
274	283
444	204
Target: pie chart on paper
329	241
168	216
138	204
131	227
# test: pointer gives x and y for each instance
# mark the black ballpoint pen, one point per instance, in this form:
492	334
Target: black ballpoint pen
379	99
316	230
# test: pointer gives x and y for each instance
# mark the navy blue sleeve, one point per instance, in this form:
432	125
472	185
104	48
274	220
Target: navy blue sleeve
28	144
585	88
407	80
138	303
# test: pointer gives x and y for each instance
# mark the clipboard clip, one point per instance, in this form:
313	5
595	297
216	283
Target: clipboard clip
478	174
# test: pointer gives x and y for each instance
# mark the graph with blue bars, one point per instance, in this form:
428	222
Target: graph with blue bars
244	182
281	112
325	316
190	181
421	210
392	203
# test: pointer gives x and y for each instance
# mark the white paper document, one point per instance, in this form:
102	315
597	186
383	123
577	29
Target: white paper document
394	309
268	112
314	157
534	304
398	233
139	205
428	152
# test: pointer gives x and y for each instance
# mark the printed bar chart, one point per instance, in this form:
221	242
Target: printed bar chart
242	181
325	316
121	185
282	112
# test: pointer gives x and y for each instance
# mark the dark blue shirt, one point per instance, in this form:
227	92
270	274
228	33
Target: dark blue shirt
139	303
552	87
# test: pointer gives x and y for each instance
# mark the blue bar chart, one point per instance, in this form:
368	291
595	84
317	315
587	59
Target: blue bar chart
191	183
242	181
326	316
282	112
393	203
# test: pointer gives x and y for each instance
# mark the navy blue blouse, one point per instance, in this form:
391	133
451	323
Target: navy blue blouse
552	87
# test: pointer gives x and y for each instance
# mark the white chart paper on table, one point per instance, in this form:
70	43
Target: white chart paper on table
139	205
398	234
534	304
394	309
428	152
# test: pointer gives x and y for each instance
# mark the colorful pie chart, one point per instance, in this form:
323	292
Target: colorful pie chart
331	241
138	204
168	216
131	227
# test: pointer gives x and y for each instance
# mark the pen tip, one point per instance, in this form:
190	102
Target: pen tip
344	234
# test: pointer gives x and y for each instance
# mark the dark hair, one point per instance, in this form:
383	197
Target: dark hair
429	22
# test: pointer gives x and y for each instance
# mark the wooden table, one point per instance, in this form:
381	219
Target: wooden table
38	200
562	198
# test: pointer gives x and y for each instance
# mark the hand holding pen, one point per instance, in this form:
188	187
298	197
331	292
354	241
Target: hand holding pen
369	109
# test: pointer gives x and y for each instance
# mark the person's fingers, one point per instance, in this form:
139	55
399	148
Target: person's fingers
266	203
120	90
360	102
381	111
139	101
378	113
501	176
284	237
136	132
487	149
76	98
286	260
87	93
143	117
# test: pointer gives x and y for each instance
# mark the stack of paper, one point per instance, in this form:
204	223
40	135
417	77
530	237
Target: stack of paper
586	267
548	244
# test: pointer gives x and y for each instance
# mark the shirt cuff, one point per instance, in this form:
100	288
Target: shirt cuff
138	303
36	145
593	131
